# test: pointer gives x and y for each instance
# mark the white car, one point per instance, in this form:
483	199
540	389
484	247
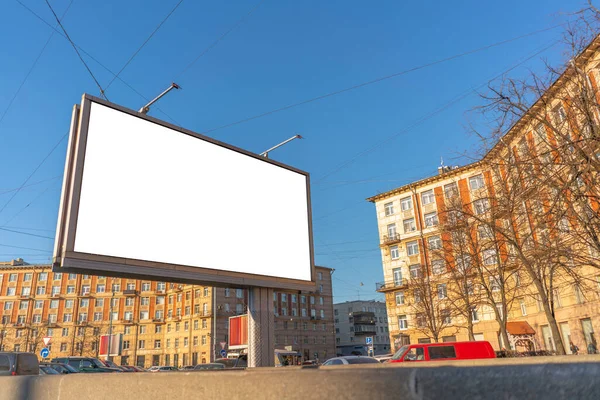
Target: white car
350	360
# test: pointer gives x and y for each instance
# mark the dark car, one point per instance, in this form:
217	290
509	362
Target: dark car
215	365
45	370
132	368
234	363
17	363
187	368
85	364
60	368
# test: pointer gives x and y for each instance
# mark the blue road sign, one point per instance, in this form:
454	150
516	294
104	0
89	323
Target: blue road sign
369	340
45	352
223	353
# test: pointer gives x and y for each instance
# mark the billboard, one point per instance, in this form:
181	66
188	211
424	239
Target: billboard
146	199
116	345
238	332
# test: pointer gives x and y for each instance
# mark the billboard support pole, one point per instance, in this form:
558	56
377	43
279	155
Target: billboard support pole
261	327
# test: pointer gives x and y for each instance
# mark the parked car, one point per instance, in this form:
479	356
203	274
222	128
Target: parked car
444	351
239	362
162	369
133	368
85	364
202	367
187	368
350	360
18	363
383	357
110	364
60	368
46	370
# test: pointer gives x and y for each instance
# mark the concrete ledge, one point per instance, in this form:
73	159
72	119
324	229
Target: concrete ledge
574	377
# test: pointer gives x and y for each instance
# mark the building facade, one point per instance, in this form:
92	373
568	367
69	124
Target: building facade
161	323
514	224
355	321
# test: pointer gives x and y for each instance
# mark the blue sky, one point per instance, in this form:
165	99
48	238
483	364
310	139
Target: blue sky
283	53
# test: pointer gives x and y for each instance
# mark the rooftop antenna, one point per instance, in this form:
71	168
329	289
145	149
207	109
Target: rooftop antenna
146	108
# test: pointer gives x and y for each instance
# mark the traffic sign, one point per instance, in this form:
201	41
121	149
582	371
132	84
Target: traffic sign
47	340
223	353
223	344
45	352
369	340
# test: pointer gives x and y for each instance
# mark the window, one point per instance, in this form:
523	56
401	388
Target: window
495	283
389	209
116	287
100	288
406	204
447	319
67	317
302	299
412	248
186	326
37	318
52	318
11	291
415	271
12	277
322	313
484	232
84	302
239	293
128	315
394	252
431	219
39	304
25	291
161	286
476	182
320	276
8	305
391	231
160	300
295	298
65	332
556	298
97	316
397	276
523	307
144	315
442	291
434	243
85	289
480	206
82	317
402	322
204	324
399	298
321	301
490	257
114	316
427	197
451	190
579	297
186	310
203	339
312	299
409	225
130	286
239	308
23	305
560	114
440	352
284	297
438	267
463	262
141	344
145	301
563	225
70	289
146	287
142	329
128	301
28	276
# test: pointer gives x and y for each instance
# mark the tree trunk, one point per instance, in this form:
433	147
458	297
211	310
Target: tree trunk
470	329
558	343
504	335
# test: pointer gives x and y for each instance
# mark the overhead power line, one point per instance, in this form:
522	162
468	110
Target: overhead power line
15	215
383	78
12	100
144	44
4	191
26	233
95	60
76	51
24	248
213	44
16	192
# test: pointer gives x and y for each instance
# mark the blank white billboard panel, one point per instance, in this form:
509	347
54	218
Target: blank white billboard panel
146	191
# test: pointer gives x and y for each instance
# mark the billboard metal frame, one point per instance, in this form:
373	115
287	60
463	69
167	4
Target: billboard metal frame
67	260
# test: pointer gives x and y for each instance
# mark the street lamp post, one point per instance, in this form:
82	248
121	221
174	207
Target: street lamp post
110	319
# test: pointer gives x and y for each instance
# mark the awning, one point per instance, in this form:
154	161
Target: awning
519	328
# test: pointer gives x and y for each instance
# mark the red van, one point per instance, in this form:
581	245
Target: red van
444	351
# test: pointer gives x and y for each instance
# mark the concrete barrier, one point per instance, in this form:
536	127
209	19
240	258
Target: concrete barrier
543	378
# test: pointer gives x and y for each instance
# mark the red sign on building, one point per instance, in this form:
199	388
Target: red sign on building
238	332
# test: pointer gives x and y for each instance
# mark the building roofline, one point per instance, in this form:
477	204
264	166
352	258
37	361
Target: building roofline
580	59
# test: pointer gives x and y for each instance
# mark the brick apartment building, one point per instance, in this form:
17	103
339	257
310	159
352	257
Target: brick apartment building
424	224
162	323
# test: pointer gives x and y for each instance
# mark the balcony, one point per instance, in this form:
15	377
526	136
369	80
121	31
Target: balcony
19	325
364	329
364	318
26	296
52	325
56	295
81	323
130	292
128	321
391	239
86	293
158	320
160	291
383	287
